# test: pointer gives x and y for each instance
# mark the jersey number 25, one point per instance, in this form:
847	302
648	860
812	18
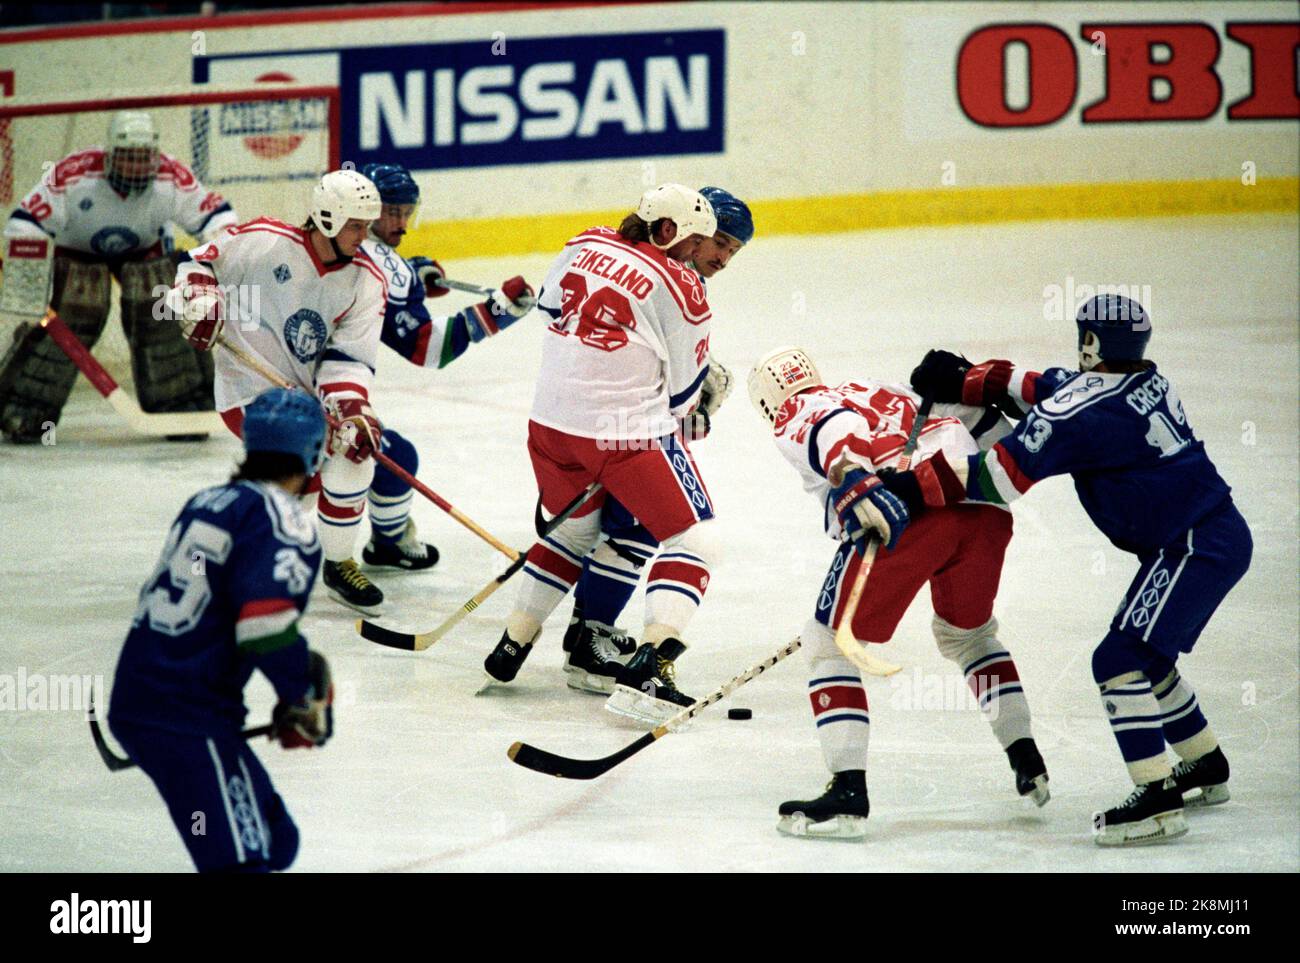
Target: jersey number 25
183	566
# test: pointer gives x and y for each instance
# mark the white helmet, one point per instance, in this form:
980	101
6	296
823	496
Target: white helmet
689	210
132	151
340	197
779	376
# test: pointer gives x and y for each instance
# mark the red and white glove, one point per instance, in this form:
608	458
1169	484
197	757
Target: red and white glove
203	312
309	722
355	429
514	298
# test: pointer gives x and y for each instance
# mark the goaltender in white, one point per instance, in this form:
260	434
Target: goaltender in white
309	302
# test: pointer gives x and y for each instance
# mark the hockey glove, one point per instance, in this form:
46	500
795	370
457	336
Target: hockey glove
951	378
430	273
864	505
502	309
355	431
204	312
696	425
309	721
717	385
931	484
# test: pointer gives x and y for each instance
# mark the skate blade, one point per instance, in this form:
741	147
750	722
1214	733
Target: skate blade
647	710
372	610
586	681
1207	796
489	683
851	828
1040	794
1158	829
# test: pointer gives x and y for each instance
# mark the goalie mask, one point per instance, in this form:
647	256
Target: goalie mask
778	377
131	160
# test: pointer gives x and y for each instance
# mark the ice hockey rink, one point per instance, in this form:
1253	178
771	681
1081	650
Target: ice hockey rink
416	777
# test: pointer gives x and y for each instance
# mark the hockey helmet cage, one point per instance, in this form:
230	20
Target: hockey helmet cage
778	377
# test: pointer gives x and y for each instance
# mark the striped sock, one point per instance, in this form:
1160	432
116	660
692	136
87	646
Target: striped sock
389	514
676	586
839	705
1135	720
994	679
1185	727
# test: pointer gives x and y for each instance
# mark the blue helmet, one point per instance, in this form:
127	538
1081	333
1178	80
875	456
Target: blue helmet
732	213
395	183
286	421
1111	328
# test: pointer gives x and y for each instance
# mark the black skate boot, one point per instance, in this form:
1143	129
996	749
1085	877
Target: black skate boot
346	584
593	663
625	644
407	552
1209	774
503	662
839	813
1153	813
574	630
1030	770
645	689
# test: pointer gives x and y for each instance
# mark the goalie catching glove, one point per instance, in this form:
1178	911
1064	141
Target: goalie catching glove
865	506
511	302
202	310
354	428
308	722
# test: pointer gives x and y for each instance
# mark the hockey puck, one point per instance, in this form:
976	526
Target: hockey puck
740	713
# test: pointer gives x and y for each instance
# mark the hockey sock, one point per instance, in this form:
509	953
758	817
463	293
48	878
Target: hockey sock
1134	716
839	701
1185	726
609	578
991	674
675	588
554	565
342	501
389	496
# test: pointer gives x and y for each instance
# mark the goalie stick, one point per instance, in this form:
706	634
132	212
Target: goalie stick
420	641
117	763
845	640
548	763
277	379
155	424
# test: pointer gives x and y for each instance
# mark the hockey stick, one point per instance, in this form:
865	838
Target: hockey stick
463	286
548	763
845	640
157	424
273	376
117	763
420	641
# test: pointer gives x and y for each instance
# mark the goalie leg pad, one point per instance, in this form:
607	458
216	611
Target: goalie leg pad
170	375
36	377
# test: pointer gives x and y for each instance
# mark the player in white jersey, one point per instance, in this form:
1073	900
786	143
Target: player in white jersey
423	339
623	362
109	210
308	302
595	647
844	442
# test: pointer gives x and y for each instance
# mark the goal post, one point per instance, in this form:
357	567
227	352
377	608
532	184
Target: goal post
261	146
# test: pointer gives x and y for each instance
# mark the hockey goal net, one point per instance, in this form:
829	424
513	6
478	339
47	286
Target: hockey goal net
261	146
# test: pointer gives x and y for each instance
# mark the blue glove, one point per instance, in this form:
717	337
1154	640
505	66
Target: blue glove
864	506
428	273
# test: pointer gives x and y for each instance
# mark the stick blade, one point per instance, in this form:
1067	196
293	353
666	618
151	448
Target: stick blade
389	637
549	764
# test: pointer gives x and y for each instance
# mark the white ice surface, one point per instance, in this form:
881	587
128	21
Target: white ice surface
417	778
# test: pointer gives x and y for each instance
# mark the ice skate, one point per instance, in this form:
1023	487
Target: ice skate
1030	770
839	813
645	689
1153	813
408	552
1209	774
347	585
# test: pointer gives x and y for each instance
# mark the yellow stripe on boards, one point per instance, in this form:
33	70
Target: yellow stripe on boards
545	233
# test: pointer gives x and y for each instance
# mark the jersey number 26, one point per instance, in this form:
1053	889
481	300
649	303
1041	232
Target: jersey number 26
602	317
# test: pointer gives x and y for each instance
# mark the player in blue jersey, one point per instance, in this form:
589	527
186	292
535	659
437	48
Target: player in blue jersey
424	340
612	570
225	599
1118	428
